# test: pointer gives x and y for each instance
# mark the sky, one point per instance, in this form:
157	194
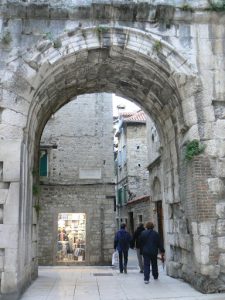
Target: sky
129	106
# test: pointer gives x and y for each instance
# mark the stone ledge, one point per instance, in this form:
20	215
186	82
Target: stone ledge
116	10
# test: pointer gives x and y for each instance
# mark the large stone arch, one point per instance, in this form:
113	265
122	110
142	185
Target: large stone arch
97	59
141	67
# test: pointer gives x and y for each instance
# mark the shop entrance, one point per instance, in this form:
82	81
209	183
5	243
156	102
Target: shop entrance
71	242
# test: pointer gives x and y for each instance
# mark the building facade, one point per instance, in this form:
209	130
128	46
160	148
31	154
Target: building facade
132	180
155	177
76	218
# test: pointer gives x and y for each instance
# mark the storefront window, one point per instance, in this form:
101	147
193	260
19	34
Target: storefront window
71	237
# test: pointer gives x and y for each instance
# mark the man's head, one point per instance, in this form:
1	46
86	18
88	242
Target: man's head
123	226
140	225
149	225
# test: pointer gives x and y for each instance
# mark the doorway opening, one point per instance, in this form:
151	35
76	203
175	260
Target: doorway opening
71	241
159	211
131	222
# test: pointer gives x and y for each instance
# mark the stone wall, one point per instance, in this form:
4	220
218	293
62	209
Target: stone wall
138	180
80	176
133	172
96	201
80	142
140	208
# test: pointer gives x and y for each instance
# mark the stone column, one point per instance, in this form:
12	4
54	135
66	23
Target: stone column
9	215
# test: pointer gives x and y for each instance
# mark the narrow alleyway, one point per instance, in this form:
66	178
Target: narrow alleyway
106	283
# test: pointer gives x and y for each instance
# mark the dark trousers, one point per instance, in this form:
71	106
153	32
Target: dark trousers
150	259
123	259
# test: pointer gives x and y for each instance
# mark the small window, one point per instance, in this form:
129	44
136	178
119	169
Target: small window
138	147
139	165
119	196
140	219
43	163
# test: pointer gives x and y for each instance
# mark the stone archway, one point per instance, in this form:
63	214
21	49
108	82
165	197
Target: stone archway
140	67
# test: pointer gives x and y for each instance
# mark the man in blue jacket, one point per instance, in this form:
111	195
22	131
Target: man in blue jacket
122	244
150	245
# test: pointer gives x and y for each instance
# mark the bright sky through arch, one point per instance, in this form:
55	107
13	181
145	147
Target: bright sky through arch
128	105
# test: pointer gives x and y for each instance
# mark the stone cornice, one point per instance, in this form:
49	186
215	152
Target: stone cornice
115	11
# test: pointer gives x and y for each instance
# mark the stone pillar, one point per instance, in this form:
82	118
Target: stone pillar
9	216
201	203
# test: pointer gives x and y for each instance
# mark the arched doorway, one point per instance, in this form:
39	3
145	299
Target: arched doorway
127	62
105	60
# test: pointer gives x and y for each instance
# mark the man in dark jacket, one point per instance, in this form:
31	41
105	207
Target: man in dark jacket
122	244
150	244
136	241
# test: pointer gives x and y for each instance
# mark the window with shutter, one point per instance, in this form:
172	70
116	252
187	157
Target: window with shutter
43	167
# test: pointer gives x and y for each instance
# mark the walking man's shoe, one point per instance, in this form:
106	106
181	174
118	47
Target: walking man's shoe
141	271
125	270
146	281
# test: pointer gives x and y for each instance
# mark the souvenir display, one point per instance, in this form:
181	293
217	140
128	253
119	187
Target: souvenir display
71	237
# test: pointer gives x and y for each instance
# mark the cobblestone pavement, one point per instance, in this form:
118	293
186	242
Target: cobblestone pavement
106	283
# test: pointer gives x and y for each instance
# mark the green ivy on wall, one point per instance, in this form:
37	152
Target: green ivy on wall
193	148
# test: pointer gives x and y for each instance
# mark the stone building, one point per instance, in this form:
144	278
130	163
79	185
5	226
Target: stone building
132	181
169	58
76	219
155	177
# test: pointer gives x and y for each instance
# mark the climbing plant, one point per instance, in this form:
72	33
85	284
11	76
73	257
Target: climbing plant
57	43
7	38
101	29
218	5
193	148
157	47
37	208
187	7
36	190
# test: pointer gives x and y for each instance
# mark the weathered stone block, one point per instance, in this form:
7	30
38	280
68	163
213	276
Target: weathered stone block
206	228
221	243
11	207
219	130
211	148
2	259
222	259
9	282
10	155
220	209
194	228
6	231
3	195
216	186
210	270
185	241
174	269
1	214
220	228
201	249
11	257
193	133
221	167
